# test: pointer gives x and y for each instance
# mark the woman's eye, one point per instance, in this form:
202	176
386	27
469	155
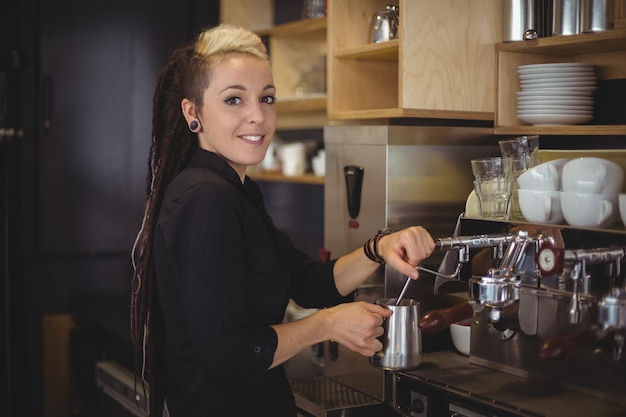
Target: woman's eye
268	99
233	100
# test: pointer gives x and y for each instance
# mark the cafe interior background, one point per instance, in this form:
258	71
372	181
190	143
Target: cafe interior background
76	85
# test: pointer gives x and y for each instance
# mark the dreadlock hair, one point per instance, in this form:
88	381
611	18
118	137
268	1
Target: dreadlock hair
187	75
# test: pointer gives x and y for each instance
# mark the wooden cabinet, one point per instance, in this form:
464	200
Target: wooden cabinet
441	66
605	50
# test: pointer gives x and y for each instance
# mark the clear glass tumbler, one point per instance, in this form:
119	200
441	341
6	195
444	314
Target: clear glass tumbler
493	179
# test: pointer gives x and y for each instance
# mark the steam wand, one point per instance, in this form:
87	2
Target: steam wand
446	277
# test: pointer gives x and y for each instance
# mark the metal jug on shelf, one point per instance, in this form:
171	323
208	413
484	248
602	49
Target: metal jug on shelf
385	24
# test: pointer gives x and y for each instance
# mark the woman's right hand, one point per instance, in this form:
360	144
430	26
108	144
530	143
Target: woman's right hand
357	326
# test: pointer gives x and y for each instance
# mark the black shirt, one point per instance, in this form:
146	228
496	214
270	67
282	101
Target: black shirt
224	275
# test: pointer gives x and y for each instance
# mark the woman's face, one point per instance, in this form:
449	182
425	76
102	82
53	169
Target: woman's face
238	117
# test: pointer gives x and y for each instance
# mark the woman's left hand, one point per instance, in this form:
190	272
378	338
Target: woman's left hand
405	249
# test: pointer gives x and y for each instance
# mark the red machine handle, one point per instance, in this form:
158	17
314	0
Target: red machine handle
437	320
559	348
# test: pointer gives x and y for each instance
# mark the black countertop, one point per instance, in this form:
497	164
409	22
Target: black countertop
452	372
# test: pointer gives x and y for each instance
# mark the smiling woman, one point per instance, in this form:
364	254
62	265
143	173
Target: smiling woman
213	273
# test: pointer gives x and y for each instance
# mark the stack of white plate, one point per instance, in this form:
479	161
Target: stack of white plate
556	94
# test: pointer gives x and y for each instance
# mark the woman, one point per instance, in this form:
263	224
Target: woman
213	275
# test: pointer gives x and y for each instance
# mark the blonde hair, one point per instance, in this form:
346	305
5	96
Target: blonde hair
210	48
227	39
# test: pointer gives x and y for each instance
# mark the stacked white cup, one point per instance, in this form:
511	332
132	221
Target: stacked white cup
591	189
540	192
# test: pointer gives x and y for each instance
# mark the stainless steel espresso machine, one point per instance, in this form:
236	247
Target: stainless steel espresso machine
388	176
548	305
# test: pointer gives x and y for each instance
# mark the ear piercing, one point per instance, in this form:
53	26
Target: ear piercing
193	126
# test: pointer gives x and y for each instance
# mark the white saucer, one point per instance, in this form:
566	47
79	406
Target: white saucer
558	119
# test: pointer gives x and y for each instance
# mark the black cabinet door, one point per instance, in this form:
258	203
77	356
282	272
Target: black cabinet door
99	65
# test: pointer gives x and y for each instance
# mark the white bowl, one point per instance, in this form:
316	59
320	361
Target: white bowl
461	337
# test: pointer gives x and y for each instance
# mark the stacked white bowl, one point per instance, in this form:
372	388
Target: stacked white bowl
591	189
556	94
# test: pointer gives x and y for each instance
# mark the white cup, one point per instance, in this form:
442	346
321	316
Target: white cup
622	207
545	176
318	163
589	210
539	206
592	176
293	158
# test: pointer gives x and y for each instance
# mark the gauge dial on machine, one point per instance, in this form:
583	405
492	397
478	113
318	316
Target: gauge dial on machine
549	259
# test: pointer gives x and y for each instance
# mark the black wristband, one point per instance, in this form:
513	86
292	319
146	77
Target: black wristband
371	246
367	248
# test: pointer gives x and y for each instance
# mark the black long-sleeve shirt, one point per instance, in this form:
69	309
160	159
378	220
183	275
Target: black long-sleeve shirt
224	275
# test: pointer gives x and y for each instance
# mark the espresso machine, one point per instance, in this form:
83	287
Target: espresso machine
547	305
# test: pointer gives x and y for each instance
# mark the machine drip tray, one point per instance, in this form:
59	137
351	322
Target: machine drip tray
324	397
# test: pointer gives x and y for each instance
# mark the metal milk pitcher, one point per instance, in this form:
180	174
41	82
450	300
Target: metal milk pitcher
402	341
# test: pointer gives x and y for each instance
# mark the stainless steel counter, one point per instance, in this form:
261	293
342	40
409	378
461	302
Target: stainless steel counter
451	373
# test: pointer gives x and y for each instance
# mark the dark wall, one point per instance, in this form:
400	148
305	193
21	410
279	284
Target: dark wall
297	210
73	190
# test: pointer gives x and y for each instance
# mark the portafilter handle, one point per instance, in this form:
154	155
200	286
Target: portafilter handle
611	319
437	320
559	348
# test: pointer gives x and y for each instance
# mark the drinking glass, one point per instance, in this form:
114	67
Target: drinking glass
524	153
313	8
493	179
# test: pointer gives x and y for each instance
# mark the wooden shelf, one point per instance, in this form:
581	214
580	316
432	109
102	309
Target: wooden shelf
278	177
391	113
306	103
440	67
384	51
297	27
606	51
578	130
292	46
584	43
617	227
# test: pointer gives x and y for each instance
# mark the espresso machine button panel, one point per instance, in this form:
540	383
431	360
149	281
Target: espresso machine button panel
419	398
